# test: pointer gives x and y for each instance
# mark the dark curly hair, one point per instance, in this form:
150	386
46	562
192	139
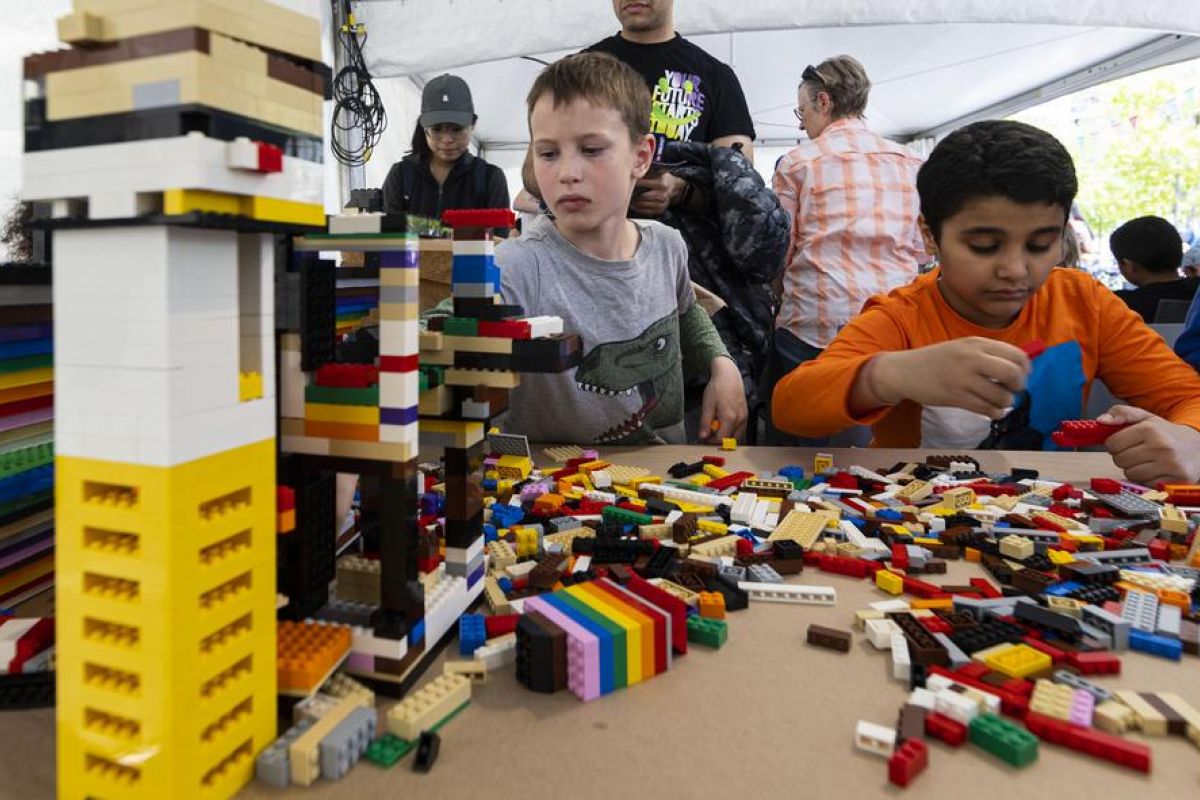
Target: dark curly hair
995	158
1151	242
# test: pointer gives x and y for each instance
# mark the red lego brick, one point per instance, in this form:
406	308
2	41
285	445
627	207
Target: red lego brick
1034	348
347	376
907	762
975	669
1106	486
270	157
1097	663
398	363
1093	742
667	602
1083	433
1101	512
1056	656
1062	511
660	625
500	624
843	480
1012	704
985	588
428	565
995	489
1064	491
731	480
285	498
506	329
479	218
716	461
936	625
744	548
1160	549
1018	686
900	556
842	565
812	558
944	729
922	589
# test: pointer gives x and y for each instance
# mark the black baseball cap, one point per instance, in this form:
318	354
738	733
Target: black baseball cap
447	100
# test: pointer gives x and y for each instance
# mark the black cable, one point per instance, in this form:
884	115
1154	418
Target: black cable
356	102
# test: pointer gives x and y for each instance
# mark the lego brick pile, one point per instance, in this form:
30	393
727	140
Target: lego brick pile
26	434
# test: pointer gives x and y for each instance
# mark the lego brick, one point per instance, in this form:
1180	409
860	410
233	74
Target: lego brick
830	638
428	746
541	654
1004	740
346	743
1095	743
1150	720
790	593
271	766
875	739
426	707
908	761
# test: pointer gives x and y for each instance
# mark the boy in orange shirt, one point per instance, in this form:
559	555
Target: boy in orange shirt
934	364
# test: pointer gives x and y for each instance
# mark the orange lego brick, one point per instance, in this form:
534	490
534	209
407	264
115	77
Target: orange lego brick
341	430
307	653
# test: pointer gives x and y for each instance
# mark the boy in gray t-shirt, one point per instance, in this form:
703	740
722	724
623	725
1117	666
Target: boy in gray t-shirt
621	286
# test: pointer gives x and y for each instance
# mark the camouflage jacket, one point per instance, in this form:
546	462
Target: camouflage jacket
736	250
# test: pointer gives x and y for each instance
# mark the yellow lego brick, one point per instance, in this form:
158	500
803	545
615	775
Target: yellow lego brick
26	377
634	633
1020	661
427	706
711	526
822	462
467	433
166	606
328	412
1059	557
515	467
250	386
271	209
925	540
258	21
801	527
494	379
889	581
1061	521
713	471
184	201
625	491
1085	539
700	479
729	444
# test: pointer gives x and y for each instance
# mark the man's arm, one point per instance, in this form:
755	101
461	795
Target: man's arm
729	141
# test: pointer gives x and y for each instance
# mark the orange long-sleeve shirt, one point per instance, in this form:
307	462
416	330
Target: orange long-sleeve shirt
1118	348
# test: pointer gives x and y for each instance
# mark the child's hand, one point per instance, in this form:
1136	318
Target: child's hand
724	403
1152	449
975	374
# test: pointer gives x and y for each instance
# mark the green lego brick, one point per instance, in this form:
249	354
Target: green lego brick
624	515
26	362
708	632
460	326
387	751
1004	740
15	462
339	396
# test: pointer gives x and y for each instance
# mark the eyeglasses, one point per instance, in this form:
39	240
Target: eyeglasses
810	74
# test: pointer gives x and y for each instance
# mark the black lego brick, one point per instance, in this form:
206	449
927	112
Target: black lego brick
27	690
551	354
541	654
318	311
483	309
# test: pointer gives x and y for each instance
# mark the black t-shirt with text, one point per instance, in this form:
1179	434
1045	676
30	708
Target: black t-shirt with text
694	97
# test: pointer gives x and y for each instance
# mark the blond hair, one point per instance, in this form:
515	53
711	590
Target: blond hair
845	80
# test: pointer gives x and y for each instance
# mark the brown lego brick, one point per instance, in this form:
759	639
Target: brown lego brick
946	551
151	44
547	571
931	568
23	315
1189	634
923	649
288	71
911	723
829	638
1032	581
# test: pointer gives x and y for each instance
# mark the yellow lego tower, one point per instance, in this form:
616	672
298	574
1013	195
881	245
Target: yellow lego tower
169	146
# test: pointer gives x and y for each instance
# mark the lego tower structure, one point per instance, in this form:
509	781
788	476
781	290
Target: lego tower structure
168	145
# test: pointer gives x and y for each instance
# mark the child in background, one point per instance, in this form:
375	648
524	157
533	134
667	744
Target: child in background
622	286
935	363
1149	251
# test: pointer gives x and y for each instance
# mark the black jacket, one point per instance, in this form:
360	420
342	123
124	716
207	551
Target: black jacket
736	249
472	183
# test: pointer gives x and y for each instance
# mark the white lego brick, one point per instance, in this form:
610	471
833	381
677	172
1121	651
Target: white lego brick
758	518
498	652
1170	619
875	739
890	606
398	338
465	555
601	479
923	698
241	153
365	642
956	706
789	593
901	660
193	161
880	633
544	326
986	700
1140	609
356	223
399	389
516	571
583	563
474	247
743	507
674	493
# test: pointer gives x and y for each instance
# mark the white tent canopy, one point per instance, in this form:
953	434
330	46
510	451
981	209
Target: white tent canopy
935	64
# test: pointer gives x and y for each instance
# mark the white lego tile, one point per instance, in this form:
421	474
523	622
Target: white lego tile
544	326
901	660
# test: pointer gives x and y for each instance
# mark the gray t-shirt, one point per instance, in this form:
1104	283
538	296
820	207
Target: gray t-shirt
629	387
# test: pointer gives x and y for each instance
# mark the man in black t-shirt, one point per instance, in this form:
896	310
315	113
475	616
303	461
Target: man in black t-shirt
695	97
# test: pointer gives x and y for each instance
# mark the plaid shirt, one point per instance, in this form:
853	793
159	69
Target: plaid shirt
852	197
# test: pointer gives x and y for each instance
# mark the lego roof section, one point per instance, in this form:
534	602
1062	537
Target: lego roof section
934	63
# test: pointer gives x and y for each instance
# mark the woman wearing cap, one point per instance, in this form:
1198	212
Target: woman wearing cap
438	172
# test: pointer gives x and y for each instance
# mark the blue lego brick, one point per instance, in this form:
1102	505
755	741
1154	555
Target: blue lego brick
1062	589
1155	645
505	584
417	634
399	259
28	482
472	633
27	347
607	649
345	744
791	472
397	416
505	516
889	515
19	333
489	532
475	576
474	269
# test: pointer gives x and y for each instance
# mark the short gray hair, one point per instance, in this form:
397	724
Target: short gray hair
845	80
